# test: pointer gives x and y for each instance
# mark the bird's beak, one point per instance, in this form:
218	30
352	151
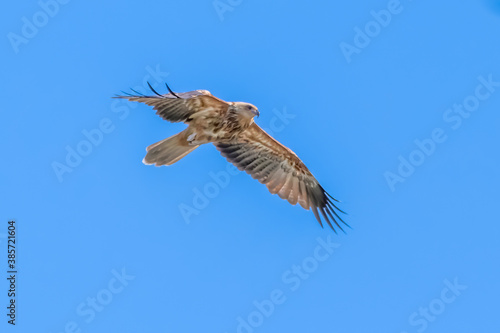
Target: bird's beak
256	112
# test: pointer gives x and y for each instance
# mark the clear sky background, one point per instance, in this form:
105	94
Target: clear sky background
393	106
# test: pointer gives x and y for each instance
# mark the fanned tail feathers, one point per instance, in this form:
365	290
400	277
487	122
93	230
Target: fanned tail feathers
168	151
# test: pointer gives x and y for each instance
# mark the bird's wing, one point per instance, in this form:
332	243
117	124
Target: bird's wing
179	107
276	166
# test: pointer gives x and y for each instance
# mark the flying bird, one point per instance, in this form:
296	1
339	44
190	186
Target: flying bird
230	126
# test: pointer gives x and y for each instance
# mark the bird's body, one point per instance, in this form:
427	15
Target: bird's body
214	125
231	128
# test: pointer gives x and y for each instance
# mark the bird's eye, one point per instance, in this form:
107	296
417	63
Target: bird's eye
249	107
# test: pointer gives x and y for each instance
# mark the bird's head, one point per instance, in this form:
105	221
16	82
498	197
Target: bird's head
246	109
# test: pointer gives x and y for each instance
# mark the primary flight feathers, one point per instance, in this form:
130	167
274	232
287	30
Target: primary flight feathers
231	128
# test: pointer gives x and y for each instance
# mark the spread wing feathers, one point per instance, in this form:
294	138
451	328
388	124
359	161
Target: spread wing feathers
276	166
180	107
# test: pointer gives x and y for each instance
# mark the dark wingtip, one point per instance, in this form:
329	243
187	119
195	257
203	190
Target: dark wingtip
315	212
328	200
333	208
138	93
153	89
328	194
337	208
125	95
170	90
329	211
324	210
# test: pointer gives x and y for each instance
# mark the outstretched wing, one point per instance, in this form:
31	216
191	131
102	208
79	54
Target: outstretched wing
180	107
271	163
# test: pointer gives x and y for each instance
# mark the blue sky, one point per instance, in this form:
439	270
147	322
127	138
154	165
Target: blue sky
392	105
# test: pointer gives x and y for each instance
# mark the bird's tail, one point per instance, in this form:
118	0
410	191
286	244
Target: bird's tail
168	151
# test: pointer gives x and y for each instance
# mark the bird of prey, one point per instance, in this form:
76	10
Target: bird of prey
231	128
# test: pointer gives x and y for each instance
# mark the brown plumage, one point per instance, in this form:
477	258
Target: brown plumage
231	128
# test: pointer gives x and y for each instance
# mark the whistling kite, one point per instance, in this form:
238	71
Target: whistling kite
231	128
